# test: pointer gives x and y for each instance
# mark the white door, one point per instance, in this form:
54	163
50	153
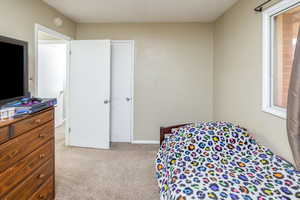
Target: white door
52	63
122	91
89	86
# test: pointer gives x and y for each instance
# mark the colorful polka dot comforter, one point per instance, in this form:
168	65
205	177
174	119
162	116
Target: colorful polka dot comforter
219	161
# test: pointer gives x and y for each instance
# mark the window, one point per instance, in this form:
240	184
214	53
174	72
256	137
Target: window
280	30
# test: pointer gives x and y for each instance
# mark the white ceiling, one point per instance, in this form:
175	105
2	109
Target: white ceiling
100	11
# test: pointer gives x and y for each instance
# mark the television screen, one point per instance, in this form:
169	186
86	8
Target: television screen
13	68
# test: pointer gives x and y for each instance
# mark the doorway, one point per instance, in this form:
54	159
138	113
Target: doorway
52	59
110	111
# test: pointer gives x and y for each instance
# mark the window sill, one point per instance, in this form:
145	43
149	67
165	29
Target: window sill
276	111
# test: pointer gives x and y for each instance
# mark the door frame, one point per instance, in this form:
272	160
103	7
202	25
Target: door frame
131	43
67	39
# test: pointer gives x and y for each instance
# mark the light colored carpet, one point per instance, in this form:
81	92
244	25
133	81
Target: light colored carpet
125	172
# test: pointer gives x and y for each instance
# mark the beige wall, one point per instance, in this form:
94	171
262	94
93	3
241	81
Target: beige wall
238	76
18	18
173	71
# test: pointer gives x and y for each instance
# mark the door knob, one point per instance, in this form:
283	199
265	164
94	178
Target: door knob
128	99
106	101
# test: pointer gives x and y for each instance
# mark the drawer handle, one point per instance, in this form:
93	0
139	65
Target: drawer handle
41	197
37	121
42	136
41	176
42	156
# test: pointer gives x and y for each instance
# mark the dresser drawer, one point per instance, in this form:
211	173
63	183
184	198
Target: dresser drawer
46	192
18	172
17	148
4	134
27	188
32	122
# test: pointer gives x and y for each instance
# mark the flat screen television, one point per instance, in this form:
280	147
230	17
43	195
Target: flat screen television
13	69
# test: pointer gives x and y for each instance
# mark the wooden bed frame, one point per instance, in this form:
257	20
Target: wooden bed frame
168	130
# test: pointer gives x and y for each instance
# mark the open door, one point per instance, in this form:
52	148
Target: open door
89	93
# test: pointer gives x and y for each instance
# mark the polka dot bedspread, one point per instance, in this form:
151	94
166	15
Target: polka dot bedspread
220	161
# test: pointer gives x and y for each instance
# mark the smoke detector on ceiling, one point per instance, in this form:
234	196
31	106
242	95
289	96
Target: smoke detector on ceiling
58	22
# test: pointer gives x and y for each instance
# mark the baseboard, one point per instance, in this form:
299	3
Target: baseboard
145	142
62	123
125	141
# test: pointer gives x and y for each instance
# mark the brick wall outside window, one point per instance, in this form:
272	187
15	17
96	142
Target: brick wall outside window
286	31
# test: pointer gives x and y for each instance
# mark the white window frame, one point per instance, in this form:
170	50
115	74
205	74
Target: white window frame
268	35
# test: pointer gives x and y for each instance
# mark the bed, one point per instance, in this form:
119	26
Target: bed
218	161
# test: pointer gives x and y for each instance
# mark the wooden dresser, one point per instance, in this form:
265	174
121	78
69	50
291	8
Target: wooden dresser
27	157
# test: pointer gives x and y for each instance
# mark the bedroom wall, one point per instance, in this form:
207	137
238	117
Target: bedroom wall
173	71
18	18
238	76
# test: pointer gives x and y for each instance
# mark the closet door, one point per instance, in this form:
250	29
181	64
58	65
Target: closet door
122	90
89	86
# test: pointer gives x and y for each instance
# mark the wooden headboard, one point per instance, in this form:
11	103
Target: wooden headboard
168	130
